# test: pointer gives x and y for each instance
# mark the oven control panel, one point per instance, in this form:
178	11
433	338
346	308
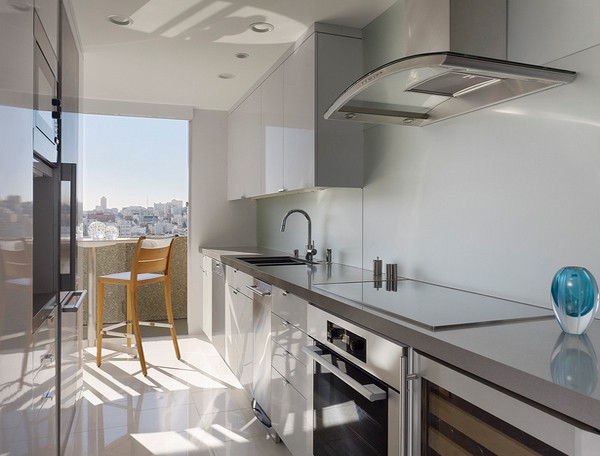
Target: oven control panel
347	341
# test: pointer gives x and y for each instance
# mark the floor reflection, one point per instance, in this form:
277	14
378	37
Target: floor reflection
192	406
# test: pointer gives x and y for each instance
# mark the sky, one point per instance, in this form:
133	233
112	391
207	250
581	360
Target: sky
134	161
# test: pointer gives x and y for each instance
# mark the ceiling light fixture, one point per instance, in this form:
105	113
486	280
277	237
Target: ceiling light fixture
119	19
226	76
242	55
261	27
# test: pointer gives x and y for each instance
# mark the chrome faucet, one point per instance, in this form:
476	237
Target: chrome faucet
310	245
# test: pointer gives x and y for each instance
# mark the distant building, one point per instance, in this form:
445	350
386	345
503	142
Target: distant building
103	203
101	216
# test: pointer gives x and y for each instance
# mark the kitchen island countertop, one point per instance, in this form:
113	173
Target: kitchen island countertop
532	359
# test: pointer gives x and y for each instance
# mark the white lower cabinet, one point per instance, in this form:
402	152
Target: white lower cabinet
290	308
291	382
290	415
239	343
291	368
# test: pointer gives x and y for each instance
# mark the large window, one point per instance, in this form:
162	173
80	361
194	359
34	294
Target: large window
135	174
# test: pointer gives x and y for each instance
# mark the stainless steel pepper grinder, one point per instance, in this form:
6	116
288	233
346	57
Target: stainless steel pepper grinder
377	272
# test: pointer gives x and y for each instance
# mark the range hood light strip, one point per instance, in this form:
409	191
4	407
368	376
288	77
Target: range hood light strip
476	87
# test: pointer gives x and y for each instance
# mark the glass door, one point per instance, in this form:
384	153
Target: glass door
452	425
345	422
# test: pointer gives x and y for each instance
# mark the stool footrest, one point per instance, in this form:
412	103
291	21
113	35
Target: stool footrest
116	325
154	323
117	334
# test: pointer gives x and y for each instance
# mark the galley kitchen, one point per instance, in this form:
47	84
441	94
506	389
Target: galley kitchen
391	239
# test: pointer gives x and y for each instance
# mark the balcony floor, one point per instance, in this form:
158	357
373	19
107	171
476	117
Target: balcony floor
192	406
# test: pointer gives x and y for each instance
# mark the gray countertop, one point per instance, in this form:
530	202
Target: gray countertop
532	359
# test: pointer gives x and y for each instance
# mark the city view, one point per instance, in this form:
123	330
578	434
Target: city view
136	175
133	221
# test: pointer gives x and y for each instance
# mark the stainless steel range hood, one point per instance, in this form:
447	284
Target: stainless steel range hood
431	86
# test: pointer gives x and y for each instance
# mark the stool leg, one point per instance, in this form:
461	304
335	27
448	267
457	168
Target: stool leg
136	330
167	287
128	312
99	321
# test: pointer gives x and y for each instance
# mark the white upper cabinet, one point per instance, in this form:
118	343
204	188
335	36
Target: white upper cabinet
272	127
296	147
299	117
245	157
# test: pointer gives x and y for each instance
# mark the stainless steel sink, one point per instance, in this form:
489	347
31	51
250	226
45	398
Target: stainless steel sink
273	260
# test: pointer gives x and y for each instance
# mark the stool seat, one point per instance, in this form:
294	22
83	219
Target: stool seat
151	264
126	277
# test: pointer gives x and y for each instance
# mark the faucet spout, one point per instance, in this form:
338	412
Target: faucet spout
310	246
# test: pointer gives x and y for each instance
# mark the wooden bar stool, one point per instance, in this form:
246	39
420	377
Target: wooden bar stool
151	263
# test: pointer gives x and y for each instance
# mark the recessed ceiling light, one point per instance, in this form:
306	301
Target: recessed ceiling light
119	19
242	55
226	76
262	27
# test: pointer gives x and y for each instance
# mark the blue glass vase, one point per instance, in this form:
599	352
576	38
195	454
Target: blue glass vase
575	299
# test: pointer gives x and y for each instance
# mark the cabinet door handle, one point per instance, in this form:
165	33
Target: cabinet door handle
254	289
371	392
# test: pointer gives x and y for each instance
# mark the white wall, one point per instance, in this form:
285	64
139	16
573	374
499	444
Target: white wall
497	200
213	221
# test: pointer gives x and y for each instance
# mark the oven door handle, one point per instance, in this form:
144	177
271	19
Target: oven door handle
370	391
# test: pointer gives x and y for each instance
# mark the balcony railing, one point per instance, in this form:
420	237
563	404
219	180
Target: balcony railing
117	258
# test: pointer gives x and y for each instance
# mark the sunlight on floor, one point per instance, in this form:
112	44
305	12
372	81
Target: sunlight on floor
192	406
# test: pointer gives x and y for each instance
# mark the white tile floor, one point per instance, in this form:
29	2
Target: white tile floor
192	406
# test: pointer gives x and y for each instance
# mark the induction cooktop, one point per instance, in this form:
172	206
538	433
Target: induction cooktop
433	307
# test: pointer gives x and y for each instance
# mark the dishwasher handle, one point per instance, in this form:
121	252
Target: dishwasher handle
254	289
371	392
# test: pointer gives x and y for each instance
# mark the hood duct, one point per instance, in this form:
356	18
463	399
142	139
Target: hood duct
432	86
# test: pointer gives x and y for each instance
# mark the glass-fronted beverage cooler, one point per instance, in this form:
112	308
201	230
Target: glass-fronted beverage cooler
454	413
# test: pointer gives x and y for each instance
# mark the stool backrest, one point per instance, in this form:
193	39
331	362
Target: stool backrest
152	256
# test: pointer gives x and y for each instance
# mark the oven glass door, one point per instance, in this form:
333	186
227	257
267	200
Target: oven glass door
345	422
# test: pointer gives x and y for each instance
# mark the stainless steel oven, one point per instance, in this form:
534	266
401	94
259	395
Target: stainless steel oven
359	389
46	102
453	413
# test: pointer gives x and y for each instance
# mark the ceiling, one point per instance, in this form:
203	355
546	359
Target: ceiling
175	50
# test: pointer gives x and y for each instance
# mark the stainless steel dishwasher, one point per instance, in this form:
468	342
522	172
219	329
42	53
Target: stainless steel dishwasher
261	384
218	306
